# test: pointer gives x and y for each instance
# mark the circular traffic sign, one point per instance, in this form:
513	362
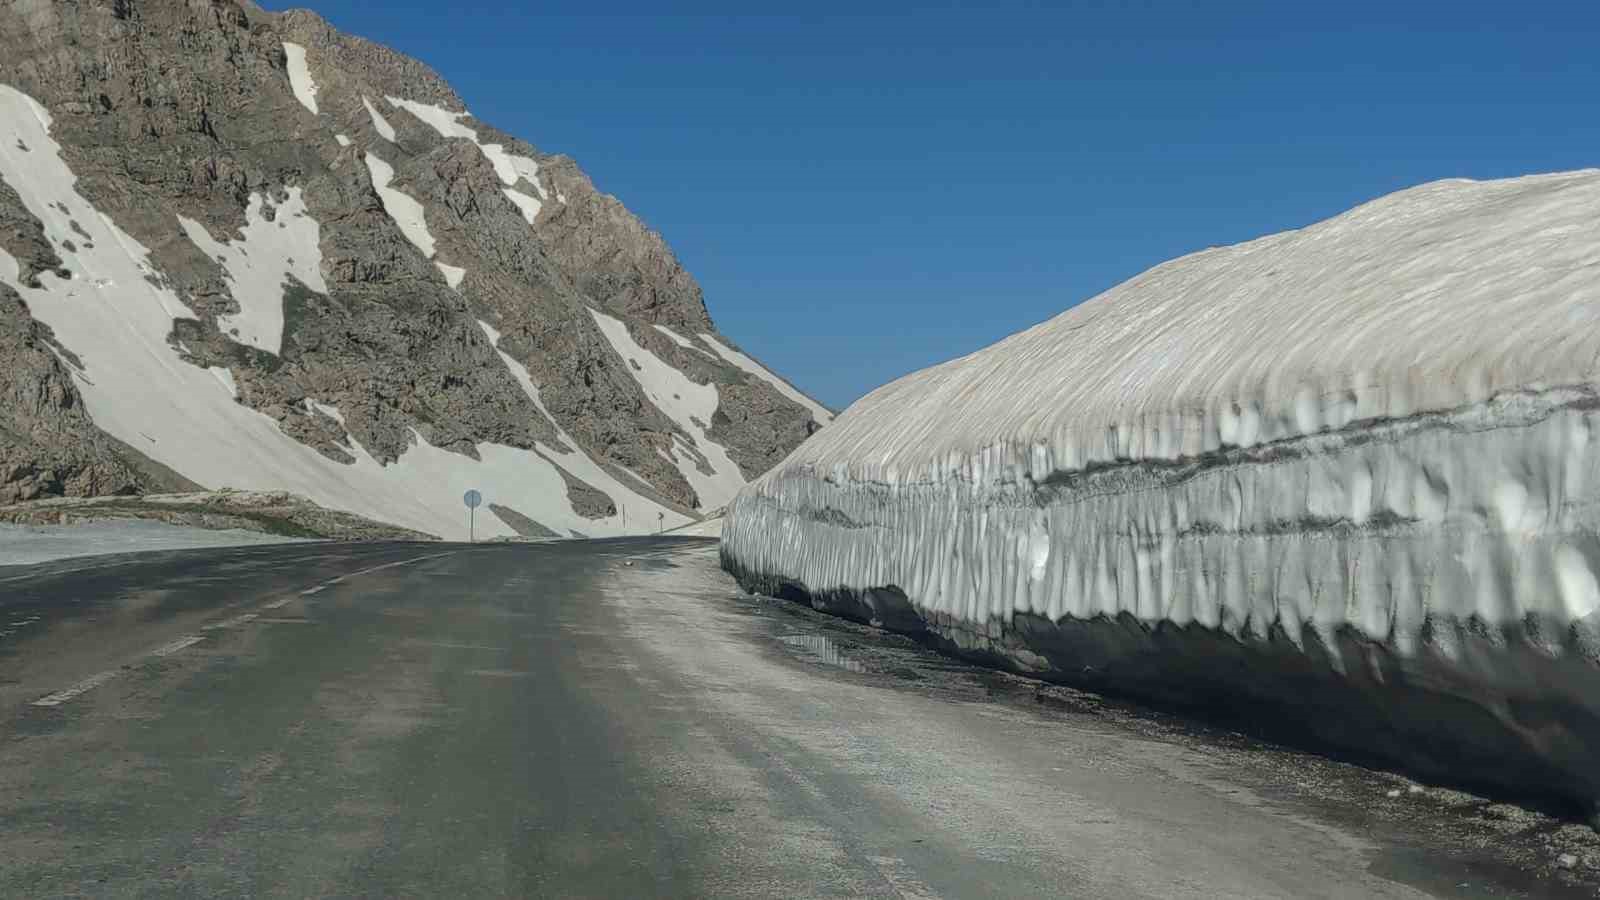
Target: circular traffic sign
472	499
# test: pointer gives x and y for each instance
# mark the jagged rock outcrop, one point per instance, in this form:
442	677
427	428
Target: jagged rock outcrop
344	259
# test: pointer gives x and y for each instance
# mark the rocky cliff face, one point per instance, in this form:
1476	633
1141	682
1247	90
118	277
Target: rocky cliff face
241	249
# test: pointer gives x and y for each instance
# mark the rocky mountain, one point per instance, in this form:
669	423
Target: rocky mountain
241	249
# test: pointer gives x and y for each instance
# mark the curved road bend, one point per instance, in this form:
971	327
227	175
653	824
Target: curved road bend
613	719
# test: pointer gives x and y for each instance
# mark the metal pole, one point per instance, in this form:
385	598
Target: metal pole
472	521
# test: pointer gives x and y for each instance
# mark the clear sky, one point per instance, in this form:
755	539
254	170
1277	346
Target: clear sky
868	188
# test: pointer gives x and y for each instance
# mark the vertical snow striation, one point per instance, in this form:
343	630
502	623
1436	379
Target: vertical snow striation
115	315
820	413
1352	466
688	404
305	89
260	263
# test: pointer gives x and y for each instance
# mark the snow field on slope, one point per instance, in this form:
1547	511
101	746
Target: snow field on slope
259	263
305	89
633	510
686	403
739	360
1383	421
138	389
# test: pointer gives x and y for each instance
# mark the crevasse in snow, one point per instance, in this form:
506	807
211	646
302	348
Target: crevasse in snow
1375	432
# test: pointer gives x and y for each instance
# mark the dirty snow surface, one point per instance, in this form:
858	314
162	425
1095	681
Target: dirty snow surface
23	545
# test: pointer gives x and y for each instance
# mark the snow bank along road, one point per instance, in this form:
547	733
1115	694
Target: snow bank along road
1343	477
615	719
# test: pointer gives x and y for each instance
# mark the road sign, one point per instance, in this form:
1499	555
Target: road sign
473	500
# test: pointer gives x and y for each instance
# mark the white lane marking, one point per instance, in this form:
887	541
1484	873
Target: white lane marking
175	646
229	623
94	681
348	575
82	687
278	603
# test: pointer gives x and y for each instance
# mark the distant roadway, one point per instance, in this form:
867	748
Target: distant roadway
615	719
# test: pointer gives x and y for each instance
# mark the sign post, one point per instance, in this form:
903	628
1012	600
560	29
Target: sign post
473	500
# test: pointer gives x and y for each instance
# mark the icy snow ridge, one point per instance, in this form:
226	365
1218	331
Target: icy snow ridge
137	387
1368	445
818	412
305	89
260	263
686	403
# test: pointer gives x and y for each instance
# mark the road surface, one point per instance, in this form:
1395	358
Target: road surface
615	719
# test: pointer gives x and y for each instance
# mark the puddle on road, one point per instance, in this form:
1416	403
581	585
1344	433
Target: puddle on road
825	650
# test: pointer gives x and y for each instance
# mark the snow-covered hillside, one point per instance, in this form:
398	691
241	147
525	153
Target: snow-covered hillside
315	271
1346	474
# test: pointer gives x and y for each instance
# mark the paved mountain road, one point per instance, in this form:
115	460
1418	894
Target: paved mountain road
610	719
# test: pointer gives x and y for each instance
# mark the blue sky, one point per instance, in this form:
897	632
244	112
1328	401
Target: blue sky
864	189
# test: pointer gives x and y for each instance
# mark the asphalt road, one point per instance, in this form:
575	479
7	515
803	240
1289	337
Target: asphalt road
614	719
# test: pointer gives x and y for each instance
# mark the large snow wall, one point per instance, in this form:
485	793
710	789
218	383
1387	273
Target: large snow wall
1342	480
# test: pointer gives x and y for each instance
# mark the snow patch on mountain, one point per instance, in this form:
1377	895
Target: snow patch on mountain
300	81
529	206
260	262
379	123
631	506
820	413
688	404
510	167
401	207
453	275
343	140
684	342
